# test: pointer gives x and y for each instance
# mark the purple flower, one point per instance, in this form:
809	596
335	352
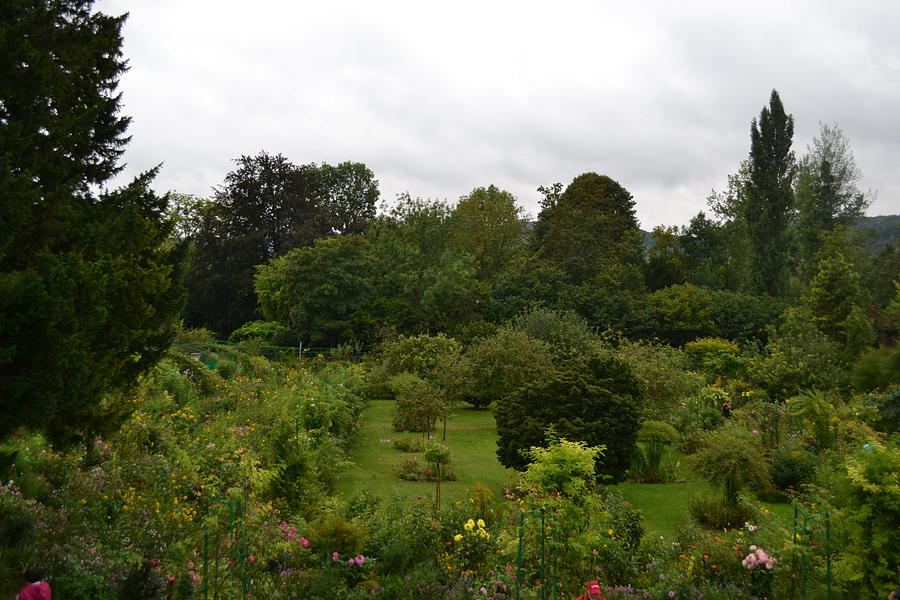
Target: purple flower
671	594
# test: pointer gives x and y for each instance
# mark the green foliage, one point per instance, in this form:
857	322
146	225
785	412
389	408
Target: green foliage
564	331
798	357
488	225
657	431
813	413
715	254
266	207
89	283
322	291
715	513
592	401
662	374
744	318
826	189
419	403
526	282
768	196
654	438
564	467
887	406
832	294
665	259
591	224
295	469
731	457
684	312
264	332
504	362
715	357
419	354
421	282
793	466
871	564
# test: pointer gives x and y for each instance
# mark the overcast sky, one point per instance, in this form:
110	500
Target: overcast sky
441	98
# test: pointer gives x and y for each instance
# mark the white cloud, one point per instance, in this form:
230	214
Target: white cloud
439	99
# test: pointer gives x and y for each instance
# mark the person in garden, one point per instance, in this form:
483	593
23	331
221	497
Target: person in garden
593	592
37	588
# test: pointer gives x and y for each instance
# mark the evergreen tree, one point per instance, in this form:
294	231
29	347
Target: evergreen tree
589	226
88	292
768	197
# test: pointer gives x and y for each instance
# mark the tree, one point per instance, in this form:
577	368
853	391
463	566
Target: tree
826	189
715	254
564	467
266	207
504	362
488	225
684	312
731	458
422	283
768	196
89	294
322	291
665	259
349	193
591	224
593	400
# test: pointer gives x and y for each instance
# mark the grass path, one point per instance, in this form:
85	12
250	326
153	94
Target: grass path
471	437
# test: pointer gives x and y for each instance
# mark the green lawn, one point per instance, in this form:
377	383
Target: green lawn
471	437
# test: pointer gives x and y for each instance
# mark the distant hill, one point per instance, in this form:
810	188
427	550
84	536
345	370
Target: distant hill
882	231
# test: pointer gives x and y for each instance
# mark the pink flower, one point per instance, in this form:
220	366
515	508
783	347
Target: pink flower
360	560
335	556
251	559
351	561
304	542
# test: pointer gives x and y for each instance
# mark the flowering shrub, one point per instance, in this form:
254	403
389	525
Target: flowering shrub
412	470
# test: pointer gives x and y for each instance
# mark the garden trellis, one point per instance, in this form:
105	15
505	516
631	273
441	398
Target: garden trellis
545	576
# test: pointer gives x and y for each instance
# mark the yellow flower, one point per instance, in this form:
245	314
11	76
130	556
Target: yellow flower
609	531
481	523
457	537
470	524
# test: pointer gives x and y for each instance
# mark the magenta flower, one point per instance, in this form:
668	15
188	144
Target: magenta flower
671	594
360	560
304	542
335	556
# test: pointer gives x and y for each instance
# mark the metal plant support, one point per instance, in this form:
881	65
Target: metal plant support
803	534
547	571
235	552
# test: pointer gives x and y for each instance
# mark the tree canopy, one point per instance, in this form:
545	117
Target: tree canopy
89	292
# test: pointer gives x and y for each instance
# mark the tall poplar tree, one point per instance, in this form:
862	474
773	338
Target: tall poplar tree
768	197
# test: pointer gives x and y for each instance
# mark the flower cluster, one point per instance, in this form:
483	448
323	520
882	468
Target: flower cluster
356	561
758	558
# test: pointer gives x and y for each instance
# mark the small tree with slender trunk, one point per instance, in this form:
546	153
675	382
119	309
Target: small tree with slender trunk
437	455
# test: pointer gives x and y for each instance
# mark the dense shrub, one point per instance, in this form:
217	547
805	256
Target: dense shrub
793	466
592	401
503	362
